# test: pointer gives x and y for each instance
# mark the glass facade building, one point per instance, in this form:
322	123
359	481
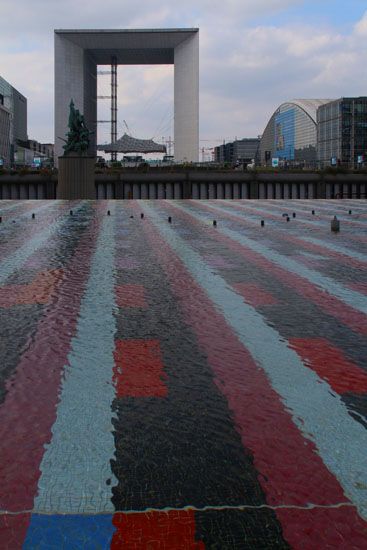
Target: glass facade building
243	150
291	135
342	133
13	121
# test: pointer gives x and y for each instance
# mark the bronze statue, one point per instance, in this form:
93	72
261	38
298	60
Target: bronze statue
78	134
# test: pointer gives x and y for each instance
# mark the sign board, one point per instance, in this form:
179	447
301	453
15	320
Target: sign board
1	162
275	162
360	159
37	161
333	161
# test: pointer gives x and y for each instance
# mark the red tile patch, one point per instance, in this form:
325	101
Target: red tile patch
138	370
39	291
331	365
130	296
254	295
155	531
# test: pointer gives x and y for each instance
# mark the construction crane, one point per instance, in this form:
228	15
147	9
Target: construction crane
127	128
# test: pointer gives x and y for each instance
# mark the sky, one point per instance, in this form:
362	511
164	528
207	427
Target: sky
254	55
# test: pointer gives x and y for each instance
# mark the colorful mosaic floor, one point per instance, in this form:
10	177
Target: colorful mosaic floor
178	385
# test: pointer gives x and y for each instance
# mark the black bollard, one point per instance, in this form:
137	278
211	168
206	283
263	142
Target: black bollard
349	212
1	219
294	214
142	215
169	219
108	213
215	223
288	218
71	212
262	223
335	225
313	212
33	216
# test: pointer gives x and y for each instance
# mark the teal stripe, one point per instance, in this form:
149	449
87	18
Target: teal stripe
21	255
76	465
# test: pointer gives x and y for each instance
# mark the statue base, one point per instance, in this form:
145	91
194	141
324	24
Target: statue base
76	178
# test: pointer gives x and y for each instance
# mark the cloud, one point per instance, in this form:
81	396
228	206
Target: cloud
246	69
361	26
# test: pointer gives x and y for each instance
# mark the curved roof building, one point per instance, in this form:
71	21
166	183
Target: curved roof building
128	144
291	133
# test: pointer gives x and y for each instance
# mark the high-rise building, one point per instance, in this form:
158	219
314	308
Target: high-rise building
342	133
13	121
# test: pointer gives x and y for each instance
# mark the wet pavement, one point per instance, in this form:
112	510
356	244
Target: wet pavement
179	385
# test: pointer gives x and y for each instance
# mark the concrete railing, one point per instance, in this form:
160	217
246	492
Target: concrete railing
197	185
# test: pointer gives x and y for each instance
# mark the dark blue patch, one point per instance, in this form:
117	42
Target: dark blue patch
73	532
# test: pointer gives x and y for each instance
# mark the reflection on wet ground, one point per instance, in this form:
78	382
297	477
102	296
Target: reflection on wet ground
183	385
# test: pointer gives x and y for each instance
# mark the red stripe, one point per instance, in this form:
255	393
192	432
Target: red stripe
29	409
130	296
359	287
172	530
290	469
331	305
138	370
13	530
331	365
254	295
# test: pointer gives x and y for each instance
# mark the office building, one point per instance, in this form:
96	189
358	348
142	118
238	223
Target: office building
13	121
342	133
78	52
241	150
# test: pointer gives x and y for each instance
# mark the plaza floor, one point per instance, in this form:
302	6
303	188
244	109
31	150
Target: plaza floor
169	383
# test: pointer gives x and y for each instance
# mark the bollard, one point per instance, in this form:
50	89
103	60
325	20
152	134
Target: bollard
142	215
288	218
33	216
313	212
131	216
169	219
349	212
108	213
285	215
262	223
215	223
1	219
71	212
294	215
335	224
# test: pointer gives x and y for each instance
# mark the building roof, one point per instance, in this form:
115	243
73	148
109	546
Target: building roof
129	46
309	106
128	144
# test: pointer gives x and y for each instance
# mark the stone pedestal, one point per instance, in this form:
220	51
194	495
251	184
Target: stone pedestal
76	178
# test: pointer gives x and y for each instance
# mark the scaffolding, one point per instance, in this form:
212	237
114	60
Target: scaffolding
113	105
